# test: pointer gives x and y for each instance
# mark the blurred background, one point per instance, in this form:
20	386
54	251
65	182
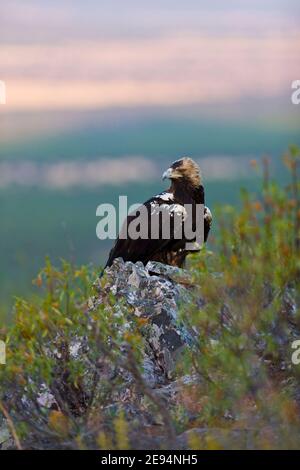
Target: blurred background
103	96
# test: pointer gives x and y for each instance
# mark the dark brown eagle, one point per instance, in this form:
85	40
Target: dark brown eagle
186	190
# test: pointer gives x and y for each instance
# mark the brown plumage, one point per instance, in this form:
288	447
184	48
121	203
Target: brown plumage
186	188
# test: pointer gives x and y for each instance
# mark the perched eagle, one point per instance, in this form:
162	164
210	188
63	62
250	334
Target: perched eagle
186	190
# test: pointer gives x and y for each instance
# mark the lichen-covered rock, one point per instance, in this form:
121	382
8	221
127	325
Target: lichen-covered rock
155	292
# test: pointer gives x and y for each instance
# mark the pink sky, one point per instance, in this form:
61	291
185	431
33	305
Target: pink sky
69	54
168	70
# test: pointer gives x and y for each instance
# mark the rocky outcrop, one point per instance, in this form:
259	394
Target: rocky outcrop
147	392
155	293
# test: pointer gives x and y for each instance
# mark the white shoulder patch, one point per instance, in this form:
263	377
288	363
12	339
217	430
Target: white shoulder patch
178	209
165	196
171	209
155	208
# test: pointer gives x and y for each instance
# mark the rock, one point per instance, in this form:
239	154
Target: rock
156	293
173	273
151	293
150	296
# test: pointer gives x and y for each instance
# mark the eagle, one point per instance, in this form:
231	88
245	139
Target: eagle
186	190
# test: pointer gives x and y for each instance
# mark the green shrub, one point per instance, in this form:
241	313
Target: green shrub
246	316
250	318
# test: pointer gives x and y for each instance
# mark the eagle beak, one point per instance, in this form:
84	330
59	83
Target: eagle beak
167	174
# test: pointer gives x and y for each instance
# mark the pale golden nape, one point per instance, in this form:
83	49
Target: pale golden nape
188	169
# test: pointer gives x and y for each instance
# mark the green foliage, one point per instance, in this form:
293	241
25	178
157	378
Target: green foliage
246	317
39	359
249	319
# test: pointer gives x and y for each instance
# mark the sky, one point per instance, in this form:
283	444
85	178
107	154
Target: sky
111	92
34	20
95	55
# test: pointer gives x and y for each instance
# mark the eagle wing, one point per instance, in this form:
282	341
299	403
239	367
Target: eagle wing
141	249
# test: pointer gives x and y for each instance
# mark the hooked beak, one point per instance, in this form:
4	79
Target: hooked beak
167	174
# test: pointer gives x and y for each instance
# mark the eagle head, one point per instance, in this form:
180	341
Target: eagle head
185	170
